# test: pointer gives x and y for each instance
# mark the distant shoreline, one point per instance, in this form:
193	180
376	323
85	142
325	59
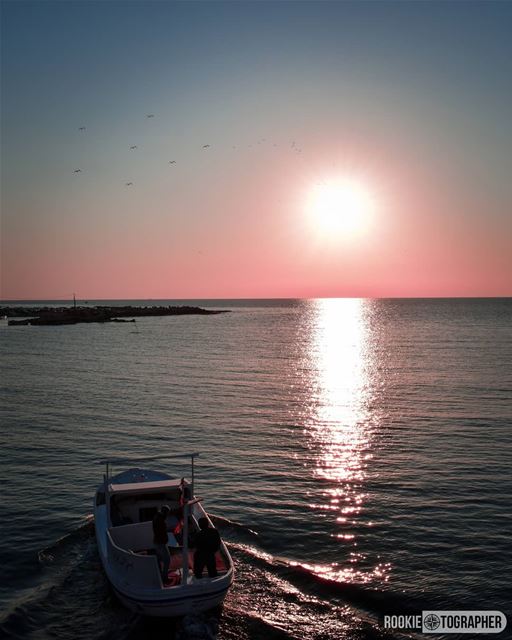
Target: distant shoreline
38	316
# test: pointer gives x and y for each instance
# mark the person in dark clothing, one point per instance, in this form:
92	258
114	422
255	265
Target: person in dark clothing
160	541
207	543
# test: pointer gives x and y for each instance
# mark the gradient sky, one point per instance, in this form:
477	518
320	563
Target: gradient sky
414	99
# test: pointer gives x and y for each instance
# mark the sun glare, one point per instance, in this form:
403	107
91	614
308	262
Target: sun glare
340	207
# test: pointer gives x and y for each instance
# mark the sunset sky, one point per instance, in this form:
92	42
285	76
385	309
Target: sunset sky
357	149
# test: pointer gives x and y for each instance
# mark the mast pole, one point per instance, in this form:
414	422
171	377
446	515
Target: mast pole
192	459
107	498
184	574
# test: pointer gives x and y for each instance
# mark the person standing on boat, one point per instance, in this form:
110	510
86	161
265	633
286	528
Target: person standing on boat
160	540
207	543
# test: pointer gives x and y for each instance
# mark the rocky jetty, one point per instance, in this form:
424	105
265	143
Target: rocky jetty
74	315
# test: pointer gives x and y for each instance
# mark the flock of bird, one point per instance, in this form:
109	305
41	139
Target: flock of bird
204	146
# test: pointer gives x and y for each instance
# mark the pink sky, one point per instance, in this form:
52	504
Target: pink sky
338	90
250	237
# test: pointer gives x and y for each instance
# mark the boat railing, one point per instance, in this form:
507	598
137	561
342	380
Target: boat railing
130	568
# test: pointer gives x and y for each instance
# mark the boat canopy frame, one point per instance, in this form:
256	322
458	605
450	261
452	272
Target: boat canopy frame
122	461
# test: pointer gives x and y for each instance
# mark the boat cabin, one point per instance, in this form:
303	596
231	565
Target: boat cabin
132	503
130	508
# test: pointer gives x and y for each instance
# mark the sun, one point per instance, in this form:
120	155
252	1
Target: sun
341	207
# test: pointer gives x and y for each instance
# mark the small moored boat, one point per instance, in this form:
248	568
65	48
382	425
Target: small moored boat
124	507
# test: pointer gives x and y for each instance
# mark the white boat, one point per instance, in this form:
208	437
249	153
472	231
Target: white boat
124	507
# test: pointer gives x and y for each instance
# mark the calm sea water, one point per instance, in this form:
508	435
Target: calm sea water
356	452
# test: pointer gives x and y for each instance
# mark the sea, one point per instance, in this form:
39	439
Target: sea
355	455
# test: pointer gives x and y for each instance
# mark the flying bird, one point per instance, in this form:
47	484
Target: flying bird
150	115
77	171
129	184
172	161
133	146
205	146
81	128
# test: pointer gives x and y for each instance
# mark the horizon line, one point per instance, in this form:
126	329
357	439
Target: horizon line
440	297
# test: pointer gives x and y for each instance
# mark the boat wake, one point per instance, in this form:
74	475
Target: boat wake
48	555
272	598
69	597
311	581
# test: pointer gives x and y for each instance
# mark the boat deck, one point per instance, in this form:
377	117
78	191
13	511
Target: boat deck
174	576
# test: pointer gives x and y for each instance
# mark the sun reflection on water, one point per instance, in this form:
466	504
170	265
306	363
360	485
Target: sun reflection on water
338	355
338	428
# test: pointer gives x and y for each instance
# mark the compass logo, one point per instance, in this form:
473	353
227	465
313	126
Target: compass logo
431	622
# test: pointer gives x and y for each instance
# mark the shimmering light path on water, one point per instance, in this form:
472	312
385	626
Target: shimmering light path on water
364	441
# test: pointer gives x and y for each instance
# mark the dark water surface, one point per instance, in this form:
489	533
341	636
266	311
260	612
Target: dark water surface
356	452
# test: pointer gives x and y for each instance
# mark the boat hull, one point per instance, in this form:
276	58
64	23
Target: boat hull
174	606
